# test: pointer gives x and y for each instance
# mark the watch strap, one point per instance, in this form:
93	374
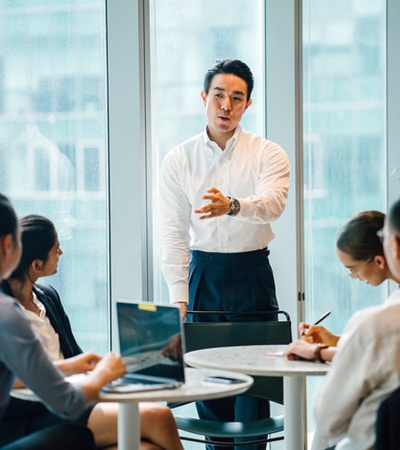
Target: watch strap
235	207
317	352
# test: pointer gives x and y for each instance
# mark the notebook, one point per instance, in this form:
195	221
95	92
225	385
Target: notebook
150	342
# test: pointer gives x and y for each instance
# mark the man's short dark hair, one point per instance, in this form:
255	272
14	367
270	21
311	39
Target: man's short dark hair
230	66
8	218
394	218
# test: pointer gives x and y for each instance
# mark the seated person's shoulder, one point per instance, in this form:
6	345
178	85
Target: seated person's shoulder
12	317
371	322
46	289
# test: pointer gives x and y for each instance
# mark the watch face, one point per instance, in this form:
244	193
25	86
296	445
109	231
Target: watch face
235	206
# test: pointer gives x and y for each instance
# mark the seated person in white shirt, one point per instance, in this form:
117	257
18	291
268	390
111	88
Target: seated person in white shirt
366	367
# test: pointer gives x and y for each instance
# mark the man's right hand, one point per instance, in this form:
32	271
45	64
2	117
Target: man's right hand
183	308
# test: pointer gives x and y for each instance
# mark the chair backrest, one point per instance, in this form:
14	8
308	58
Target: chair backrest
387	423
199	335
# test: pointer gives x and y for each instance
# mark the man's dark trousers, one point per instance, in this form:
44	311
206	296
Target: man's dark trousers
232	282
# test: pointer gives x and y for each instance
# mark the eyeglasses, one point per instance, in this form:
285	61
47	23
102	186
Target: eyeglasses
353	272
382	234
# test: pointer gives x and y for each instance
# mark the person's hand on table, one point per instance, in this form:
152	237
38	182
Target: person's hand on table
317	334
85	362
82	363
108	369
300	349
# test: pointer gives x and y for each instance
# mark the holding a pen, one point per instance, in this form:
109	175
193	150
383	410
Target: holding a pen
315	343
304	327
318	334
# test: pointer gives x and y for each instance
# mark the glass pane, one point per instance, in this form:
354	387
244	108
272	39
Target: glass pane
186	39
53	142
344	144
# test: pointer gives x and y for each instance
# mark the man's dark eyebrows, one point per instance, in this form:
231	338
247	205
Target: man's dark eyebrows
216	88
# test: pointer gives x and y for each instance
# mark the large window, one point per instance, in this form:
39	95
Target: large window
183	46
54	131
344	74
53	142
344	143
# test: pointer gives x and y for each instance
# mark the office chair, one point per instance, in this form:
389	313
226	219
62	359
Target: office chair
199	335
387	423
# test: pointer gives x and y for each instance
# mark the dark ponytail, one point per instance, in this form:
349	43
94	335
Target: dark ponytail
38	236
358	236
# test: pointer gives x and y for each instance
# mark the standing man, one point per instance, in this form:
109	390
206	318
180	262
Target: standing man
219	193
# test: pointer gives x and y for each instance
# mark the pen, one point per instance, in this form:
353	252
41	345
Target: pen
323	317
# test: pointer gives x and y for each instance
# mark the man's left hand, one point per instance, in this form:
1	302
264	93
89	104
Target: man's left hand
218	206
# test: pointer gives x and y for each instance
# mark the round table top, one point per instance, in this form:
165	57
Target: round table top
261	360
195	388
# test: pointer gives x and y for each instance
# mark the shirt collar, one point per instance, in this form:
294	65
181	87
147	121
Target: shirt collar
39	304
231	142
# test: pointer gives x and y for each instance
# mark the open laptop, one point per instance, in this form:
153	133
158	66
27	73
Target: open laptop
150	342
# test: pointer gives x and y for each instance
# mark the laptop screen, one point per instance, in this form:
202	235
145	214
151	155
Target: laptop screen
150	340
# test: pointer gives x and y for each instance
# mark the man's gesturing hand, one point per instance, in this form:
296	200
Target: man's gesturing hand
218	206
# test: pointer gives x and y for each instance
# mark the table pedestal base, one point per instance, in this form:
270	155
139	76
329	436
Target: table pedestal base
128	426
293	398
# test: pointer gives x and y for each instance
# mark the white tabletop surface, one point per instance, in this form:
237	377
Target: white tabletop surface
263	360
195	388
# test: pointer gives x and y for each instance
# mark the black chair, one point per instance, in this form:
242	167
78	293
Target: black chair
387	423
199	335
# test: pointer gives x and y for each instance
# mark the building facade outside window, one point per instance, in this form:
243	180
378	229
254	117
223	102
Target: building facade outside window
53	130
53	142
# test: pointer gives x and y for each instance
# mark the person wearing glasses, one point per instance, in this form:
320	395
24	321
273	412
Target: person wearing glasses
22	356
366	366
360	250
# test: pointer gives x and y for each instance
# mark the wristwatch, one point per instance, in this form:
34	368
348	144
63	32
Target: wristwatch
317	352
235	207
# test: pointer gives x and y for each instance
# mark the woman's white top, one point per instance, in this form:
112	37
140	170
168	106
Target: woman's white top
43	328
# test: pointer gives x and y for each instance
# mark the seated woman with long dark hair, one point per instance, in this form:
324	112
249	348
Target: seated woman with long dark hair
42	304
22	355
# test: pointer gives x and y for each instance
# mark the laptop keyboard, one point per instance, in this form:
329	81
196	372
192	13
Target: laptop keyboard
140	361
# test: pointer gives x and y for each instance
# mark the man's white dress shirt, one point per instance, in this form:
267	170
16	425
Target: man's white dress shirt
251	169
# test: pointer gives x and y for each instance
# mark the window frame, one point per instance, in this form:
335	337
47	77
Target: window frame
128	25
126	81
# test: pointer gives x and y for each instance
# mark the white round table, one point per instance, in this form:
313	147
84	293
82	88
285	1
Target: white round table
195	388
267	360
